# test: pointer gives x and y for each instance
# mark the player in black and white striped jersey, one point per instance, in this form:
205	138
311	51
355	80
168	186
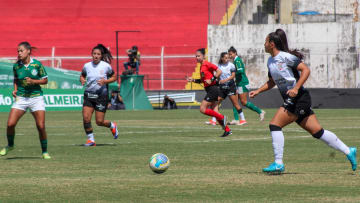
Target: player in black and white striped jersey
289	73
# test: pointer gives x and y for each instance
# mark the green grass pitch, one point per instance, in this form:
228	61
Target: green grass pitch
204	167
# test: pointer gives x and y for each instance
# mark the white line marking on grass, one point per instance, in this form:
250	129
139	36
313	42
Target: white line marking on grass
245	139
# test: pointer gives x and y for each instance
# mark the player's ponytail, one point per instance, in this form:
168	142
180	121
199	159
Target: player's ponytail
233	50
105	53
283	40
27	46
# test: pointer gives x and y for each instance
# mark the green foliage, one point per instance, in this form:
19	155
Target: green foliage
268	6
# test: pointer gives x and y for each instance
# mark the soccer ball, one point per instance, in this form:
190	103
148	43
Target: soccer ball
159	163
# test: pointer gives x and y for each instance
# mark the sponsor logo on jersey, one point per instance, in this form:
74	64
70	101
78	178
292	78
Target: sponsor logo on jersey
280	66
34	72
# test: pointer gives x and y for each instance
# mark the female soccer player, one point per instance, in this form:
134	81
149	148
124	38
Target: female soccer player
29	74
207	70
242	84
284	66
227	84
97	74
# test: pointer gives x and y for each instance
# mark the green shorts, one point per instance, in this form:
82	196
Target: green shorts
242	89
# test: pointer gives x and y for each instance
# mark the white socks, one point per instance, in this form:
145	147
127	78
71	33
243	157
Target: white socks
278	145
214	119
242	116
91	137
333	141
112	125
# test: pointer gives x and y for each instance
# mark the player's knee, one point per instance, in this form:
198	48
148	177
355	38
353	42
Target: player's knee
243	102
87	125
274	127
40	126
100	122
202	109
11	125
318	134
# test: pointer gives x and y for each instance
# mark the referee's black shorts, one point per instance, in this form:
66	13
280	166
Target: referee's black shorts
212	93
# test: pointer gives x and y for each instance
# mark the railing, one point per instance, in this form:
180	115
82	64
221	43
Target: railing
161	71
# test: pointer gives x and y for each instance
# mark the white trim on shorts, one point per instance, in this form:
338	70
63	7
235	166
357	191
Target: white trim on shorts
240	89
32	103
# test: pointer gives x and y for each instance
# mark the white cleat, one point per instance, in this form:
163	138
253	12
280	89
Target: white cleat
262	115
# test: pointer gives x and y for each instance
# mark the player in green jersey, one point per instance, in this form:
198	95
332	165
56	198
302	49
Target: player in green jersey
29	74
242	83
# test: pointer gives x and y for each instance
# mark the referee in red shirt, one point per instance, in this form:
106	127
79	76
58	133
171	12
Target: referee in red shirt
207	71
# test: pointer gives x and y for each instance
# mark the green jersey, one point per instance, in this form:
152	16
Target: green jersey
240	74
35	70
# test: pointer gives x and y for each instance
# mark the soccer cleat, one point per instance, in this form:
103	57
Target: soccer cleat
46	155
226	133
274	168
115	131
233	122
262	115
90	143
210	122
242	122
352	158
224	121
5	150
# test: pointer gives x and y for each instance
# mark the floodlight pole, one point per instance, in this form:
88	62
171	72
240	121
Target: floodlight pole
117	50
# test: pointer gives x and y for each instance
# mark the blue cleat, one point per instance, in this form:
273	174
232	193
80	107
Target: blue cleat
352	158
274	168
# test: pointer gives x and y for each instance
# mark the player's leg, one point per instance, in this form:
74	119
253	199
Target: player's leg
39	117
244	101
87	114
204	108
239	112
242	120
281	119
14	116
137	67
126	65
214	107
100	121
312	125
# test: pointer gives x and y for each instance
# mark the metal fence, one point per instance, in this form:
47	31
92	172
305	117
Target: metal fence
162	71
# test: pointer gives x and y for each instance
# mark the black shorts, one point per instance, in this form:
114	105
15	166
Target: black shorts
99	104
227	90
212	93
302	106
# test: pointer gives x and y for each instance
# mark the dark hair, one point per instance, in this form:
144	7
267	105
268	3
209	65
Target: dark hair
202	51
280	40
134	48
27	46
232	49
105	53
221	56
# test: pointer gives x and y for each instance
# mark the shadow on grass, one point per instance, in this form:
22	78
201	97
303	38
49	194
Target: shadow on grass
97	145
22	158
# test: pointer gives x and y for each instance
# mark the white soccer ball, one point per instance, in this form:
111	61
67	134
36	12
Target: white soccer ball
159	163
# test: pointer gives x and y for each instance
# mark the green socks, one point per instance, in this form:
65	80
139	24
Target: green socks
43	145
10	139
253	107
236	114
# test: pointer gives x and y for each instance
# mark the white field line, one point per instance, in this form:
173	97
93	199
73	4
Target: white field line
245	139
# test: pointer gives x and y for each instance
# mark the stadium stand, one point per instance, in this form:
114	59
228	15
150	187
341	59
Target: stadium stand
75	26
